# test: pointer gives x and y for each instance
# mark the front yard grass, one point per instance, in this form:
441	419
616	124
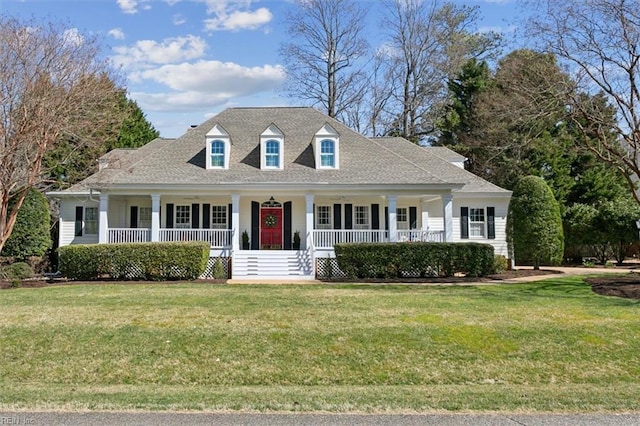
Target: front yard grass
550	346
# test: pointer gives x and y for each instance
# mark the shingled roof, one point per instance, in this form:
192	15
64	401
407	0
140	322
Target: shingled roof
363	161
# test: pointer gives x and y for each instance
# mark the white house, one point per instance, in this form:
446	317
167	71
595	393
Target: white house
274	172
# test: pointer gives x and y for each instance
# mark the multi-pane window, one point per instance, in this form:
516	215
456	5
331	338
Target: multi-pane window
361	217
219	217
476	222
401	218
183	217
144	218
217	153
91	220
327	153
323	217
272	153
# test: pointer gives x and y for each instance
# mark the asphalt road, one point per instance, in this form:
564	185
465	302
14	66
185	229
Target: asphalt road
59	418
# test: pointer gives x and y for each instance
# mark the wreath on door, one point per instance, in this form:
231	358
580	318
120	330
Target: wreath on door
270	221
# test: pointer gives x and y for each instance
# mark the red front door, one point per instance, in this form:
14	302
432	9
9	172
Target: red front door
271	228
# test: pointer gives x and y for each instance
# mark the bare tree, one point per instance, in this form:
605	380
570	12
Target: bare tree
52	86
326	54
430	40
599	40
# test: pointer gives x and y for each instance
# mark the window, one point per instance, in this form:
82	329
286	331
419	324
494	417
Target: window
327	153
218	146
91	220
361	217
323	217
183	217
217	154
401	218
218	217
144	218
476	223
272	154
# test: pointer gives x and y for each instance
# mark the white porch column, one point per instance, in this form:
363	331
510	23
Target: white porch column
309	221
103	219
425	215
447	209
393	220
235	220
155	217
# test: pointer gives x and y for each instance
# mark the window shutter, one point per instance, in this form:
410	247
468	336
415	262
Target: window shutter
134	217
286	212
348	216
169	217
79	212
464	222
491	223
195	216
375	216
386	218
255	225
206	216
337	216
230	216
413	218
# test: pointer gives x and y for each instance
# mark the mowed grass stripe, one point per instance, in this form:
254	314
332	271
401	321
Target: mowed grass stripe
150	343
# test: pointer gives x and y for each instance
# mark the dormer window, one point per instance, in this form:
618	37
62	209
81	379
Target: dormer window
272	148
326	148
218	146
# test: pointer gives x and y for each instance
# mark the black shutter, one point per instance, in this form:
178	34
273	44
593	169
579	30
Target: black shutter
464	222
386	218
134	217
288	245
79	212
195	216
230	216
206	216
375	216
413	218
169	217
255	225
348	216
491	223
337	216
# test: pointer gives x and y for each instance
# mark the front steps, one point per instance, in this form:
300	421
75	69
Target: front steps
272	265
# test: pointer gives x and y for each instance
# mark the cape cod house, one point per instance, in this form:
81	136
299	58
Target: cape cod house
276	175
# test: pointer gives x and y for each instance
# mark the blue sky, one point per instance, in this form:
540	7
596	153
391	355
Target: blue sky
186	60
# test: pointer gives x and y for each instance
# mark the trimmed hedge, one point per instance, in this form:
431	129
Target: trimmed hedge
414	259
142	261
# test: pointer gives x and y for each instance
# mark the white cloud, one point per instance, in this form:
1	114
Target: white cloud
205	84
128	6
239	20
179	19
116	33
146	53
72	36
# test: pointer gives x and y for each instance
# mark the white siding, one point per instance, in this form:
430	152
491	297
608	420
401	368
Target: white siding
68	221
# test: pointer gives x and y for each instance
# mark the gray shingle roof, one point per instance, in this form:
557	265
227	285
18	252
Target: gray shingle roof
366	161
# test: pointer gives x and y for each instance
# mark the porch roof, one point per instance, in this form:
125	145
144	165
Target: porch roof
181	162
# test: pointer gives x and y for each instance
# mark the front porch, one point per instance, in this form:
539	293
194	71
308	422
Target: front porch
320	239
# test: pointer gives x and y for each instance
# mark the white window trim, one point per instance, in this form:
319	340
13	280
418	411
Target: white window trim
402	225
85	230
326	132
484	223
271	133
217	133
175	217
144	223
361	226
324	226
223	208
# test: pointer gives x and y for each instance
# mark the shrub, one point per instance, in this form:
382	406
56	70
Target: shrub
147	261
500	264
398	260
20	271
30	235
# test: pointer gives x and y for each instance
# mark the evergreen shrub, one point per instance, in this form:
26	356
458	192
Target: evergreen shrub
142	261
414	259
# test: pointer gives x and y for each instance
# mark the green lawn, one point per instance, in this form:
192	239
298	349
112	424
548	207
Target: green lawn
546	346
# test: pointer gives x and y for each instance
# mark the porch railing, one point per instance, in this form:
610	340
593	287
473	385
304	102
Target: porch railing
215	237
129	235
327	238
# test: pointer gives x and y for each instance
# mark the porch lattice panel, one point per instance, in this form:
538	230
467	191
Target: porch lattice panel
327	269
217	268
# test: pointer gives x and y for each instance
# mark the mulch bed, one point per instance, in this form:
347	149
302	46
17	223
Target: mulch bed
627	286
